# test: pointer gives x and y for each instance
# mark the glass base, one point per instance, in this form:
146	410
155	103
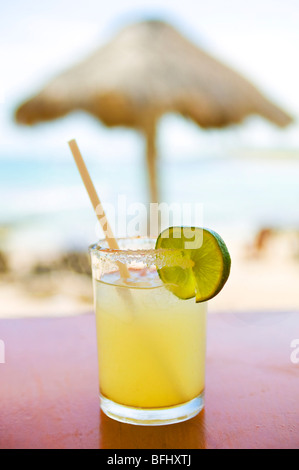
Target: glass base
153	416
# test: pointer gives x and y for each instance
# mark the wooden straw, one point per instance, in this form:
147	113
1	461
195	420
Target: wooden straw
97	205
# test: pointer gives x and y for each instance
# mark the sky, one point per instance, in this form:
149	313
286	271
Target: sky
39	39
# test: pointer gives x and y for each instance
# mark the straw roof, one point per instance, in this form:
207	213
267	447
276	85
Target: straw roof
149	69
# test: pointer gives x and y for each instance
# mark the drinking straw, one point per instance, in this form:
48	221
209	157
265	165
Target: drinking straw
97	205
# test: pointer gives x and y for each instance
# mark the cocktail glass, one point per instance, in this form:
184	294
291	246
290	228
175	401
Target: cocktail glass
151	344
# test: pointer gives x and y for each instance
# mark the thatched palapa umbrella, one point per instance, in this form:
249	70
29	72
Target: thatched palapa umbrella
147	70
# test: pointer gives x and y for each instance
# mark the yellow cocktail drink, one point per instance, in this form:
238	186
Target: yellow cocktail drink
152	352
151	344
150	302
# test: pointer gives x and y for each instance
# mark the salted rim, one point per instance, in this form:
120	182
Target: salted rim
160	257
96	247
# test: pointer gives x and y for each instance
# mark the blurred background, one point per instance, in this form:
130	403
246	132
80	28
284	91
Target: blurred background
246	175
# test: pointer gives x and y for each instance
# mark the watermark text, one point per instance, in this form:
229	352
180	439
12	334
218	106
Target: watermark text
137	219
2	352
295	353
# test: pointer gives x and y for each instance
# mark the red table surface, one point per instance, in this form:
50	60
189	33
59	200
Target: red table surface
49	387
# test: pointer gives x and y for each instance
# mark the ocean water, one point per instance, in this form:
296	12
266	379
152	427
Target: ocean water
43	202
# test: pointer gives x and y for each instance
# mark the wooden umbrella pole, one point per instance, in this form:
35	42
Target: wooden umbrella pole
97	205
151	158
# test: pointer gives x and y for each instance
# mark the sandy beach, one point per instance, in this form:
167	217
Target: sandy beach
264	277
